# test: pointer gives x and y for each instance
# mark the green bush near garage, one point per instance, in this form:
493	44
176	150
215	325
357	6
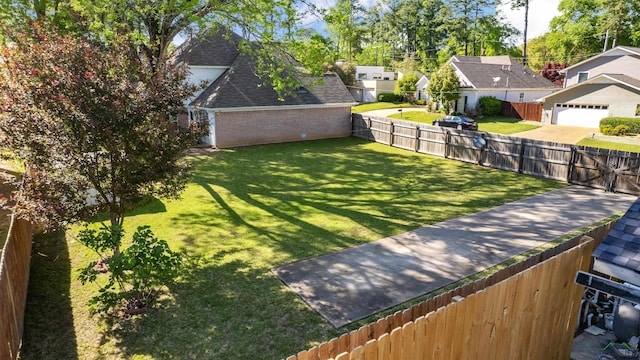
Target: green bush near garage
490	106
389	97
614	122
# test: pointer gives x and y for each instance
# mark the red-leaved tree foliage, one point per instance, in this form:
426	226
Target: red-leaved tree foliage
551	71
90	120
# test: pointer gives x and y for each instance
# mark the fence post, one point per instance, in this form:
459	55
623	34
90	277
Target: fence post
572	162
391	131
523	143
370	133
417	143
446	143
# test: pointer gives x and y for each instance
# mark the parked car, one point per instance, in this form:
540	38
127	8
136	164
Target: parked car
458	122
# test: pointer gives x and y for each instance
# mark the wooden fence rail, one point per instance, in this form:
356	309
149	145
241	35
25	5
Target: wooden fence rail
14	280
611	170
360	341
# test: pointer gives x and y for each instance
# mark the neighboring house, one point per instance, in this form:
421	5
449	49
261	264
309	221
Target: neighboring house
242	109
499	76
607	84
372	81
421	88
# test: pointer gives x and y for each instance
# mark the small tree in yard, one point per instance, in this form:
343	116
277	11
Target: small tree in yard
444	87
406	86
90	118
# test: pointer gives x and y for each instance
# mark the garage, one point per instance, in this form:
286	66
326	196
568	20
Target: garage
579	115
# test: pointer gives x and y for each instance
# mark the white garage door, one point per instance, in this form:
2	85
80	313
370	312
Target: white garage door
579	115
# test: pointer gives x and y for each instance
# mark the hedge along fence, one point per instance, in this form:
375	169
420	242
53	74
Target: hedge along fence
14	281
613	122
433	328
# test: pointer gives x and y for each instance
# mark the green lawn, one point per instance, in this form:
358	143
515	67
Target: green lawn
609	145
378	106
503	125
492	124
247	211
417	116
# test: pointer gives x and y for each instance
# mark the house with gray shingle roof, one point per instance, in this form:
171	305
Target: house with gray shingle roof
243	109
499	76
607	84
619	253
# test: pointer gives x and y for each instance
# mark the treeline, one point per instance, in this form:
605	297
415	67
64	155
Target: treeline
430	31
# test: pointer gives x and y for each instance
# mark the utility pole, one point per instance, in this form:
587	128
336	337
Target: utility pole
606	40
526	25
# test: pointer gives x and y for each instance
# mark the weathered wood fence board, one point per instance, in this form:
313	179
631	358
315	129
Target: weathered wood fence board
524	111
14	281
610	170
524	311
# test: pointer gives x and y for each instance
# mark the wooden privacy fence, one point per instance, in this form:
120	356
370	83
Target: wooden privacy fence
611	170
465	322
14	280
522	110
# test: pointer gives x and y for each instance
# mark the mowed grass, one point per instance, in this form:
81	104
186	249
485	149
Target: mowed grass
378	106
503	125
609	145
417	116
492	124
246	212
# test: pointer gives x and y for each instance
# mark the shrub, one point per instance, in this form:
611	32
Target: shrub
621	130
633	124
421	102
490	106
134	275
606	129
389	97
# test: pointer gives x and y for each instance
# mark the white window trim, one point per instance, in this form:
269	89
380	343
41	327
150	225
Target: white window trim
580	73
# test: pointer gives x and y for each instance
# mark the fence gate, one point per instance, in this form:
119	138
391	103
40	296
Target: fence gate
610	170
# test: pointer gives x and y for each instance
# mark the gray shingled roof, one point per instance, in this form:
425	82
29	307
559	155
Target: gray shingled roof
240	86
482	71
217	49
622	244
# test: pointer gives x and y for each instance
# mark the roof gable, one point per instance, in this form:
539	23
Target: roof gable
616	51
240	86
612	79
209	49
503	72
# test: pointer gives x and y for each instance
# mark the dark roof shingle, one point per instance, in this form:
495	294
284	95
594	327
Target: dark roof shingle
501	72
622	244
240	86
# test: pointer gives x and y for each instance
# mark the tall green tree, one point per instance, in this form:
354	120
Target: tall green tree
344	22
444	87
587	27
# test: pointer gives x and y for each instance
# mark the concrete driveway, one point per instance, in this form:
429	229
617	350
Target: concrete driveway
558	133
354	283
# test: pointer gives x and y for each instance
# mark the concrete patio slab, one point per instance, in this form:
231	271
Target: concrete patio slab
354	283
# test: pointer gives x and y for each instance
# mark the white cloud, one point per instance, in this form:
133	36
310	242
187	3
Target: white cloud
540	14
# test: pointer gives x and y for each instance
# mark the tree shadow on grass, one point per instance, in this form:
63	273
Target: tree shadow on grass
49	330
223	310
380	193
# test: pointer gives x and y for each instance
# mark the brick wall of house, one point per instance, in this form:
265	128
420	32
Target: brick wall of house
243	128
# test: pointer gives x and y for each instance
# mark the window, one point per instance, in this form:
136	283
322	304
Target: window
582	76
521	99
377	76
362	76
